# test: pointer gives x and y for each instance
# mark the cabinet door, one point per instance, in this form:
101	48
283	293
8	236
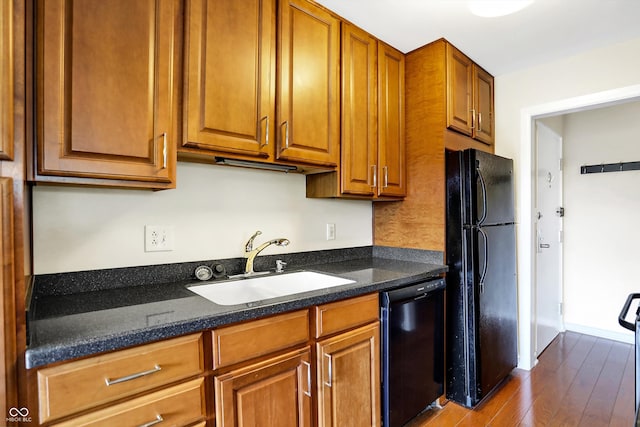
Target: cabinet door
276	392
230	76
483	105
359	143
105	90
348	367
459	87
6	80
391	143
308	105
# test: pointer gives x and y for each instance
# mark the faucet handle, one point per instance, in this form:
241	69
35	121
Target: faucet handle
249	246
280	265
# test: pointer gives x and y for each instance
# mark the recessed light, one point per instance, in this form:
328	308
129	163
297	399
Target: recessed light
495	8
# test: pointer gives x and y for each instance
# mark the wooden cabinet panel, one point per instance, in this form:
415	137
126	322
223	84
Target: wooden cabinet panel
348	379
106	74
308	106
459	87
248	340
483	105
74	386
359	143
342	315
178	406
276	392
230	77
8	350
6	80
391	148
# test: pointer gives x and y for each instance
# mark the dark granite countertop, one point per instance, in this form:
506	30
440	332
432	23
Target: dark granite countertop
66	326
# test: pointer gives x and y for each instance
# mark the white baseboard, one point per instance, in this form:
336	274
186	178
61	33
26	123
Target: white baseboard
623	336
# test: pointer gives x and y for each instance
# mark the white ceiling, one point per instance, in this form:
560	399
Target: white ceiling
543	32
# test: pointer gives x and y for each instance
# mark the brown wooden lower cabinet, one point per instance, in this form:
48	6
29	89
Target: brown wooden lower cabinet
348	380
276	392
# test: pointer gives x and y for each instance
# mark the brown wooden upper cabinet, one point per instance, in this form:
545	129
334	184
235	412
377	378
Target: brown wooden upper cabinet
229	103
307	102
106	83
469	97
391	142
372	140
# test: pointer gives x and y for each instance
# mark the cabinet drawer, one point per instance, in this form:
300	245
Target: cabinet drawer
237	343
176	406
340	315
74	386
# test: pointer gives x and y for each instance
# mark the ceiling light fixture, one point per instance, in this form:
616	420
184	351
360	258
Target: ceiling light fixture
495	8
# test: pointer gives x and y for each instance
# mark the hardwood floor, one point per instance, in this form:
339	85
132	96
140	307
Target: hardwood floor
580	380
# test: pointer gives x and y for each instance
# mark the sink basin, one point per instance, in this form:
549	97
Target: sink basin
233	292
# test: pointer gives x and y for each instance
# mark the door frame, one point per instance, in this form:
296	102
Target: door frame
535	197
526	201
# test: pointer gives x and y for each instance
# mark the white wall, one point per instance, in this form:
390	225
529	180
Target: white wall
601	247
549	89
214	210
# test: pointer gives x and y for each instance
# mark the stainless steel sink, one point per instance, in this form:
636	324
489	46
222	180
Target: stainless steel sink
233	292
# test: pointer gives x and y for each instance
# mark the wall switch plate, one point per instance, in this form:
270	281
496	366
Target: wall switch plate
331	231
158	238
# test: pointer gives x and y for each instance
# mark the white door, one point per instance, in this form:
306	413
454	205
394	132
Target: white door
548	282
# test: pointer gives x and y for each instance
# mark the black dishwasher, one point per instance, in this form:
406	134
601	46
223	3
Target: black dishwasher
412	350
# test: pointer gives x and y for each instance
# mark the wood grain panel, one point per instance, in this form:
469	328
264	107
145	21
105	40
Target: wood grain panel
230	77
6	80
8	350
483	103
359	143
459	91
342	315
248	340
179	405
74	386
271	393
391	122
112	115
418	221
308	101
348	378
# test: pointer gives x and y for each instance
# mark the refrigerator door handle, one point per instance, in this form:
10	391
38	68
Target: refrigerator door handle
483	275
484	197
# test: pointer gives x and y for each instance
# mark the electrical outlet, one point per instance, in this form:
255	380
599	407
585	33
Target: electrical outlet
331	231
158	238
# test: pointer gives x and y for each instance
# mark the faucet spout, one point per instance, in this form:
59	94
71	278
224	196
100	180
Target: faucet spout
251	253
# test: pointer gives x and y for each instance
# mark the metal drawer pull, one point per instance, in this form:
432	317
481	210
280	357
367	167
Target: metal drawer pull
164	150
479	122
155	369
386	177
266	133
158	420
308	392
330	379
286	133
375	175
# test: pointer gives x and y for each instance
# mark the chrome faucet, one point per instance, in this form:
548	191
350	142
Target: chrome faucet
251	253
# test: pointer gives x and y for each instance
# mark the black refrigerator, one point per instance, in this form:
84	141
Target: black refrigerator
481	296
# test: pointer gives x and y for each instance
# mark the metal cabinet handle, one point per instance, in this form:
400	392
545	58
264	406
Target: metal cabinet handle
473	118
545	245
479	121
158	420
286	133
266	130
375	175
164	150
329	369
308	391
386	177
155	369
